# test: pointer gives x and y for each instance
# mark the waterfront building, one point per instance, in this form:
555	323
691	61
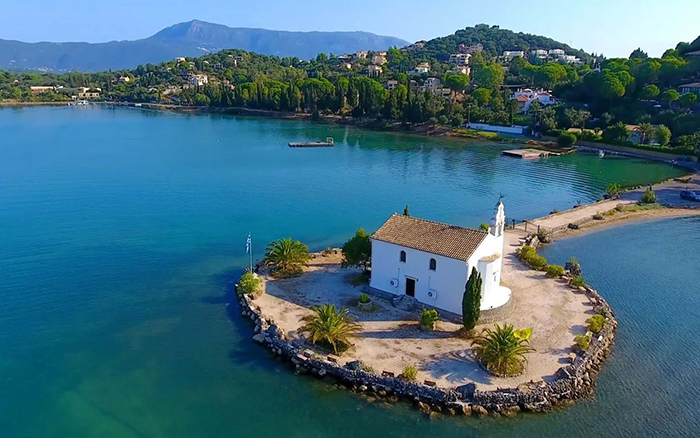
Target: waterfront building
432	261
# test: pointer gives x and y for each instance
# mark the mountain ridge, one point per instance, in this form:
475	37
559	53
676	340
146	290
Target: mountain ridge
191	38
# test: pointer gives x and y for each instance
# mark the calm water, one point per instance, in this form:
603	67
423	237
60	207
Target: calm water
122	228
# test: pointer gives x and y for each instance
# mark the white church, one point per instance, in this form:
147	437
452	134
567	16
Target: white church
431	261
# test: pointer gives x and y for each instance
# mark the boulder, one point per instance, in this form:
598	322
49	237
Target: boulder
479	411
260	337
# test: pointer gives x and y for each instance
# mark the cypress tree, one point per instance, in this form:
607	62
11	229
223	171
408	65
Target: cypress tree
471	301
405	211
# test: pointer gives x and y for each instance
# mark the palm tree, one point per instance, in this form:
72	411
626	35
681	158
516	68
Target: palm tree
286	256
330	326
647	131
501	350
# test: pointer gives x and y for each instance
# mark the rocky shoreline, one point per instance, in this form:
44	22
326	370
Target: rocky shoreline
573	382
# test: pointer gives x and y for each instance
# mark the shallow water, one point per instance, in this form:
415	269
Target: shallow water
121	230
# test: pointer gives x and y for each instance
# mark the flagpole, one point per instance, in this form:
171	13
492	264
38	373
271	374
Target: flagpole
251	251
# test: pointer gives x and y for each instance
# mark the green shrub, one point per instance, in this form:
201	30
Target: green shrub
595	323
484	226
598	216
410	373
529	255
428	318
543	235
364	299
555	271
526	252
582	342
566	139
649	197
613	189
538	262
577	282
357	251
249	284
573	266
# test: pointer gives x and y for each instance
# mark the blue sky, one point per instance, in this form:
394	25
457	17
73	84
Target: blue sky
614	27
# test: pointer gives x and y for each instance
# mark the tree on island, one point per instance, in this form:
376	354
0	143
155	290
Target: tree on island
405	211
357	251
471	301
286	256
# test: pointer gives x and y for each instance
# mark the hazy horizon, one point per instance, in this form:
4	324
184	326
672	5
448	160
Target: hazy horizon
599	27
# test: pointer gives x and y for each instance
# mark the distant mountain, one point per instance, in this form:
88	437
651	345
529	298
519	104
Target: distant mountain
194	38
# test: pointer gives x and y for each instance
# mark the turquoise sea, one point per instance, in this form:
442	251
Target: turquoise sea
121	232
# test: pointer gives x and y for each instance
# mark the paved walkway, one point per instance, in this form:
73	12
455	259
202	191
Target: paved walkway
667	193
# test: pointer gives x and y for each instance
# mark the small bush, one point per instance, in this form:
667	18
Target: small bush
613	190
526	252
555	271
649	197
543	235
249	284
573	266
598	216
577	282
484	226
595	323
538	262
582	342
428	318
364	299
410	373
566	139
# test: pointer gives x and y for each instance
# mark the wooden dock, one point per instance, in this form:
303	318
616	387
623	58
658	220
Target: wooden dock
329	143
529	153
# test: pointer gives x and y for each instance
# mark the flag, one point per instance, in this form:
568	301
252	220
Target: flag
247	244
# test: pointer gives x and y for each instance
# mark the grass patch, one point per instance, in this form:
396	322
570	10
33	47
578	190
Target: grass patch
633	208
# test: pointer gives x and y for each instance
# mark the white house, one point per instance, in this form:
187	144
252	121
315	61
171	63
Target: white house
557	52
198	80
509	55
421	68
432	261
460	58
526	96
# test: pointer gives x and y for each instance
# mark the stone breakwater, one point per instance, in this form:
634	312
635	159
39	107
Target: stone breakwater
573	382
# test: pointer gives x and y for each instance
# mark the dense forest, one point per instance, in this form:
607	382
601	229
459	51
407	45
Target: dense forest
599	96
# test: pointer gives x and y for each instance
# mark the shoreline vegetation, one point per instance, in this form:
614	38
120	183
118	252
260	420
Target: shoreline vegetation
472	76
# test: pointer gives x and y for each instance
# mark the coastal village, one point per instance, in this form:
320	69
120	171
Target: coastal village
452	319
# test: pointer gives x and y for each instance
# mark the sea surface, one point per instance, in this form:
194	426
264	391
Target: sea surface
121	231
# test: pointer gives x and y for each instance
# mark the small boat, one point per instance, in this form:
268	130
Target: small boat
601	154
330	142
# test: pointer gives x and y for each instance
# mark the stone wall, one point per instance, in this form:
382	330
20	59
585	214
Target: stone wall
573	382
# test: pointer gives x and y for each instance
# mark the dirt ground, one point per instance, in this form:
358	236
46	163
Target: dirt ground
391	338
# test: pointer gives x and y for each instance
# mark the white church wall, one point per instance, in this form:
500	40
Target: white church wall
442	288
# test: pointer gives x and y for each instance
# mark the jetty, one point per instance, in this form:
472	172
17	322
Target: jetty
330	142
529	153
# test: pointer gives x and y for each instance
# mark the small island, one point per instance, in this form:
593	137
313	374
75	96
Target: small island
500	331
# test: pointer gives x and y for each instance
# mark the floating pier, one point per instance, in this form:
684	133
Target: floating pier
330	142
529	153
